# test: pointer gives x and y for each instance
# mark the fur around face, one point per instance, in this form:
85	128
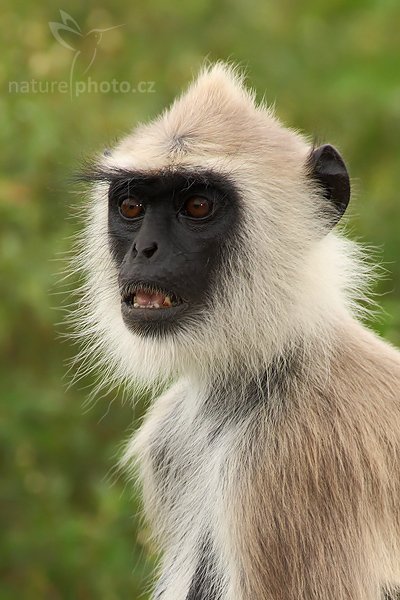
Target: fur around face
270	465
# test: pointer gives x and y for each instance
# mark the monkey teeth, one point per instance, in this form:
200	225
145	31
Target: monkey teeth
149	298
155	305
148	301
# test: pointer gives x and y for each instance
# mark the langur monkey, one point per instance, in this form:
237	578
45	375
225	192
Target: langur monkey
270	456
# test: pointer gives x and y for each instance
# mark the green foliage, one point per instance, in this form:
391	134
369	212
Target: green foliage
70	522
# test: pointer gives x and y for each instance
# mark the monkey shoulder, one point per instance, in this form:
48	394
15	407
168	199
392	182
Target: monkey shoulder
366	368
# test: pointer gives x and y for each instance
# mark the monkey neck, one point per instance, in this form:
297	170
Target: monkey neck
267	378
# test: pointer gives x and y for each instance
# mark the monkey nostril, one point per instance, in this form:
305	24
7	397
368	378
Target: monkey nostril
150	250
134	251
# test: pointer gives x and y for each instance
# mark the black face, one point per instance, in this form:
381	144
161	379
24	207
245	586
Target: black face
169	233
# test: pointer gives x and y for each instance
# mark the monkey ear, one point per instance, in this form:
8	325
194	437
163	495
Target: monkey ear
327	168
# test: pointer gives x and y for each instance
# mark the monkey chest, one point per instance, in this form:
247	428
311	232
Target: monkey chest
187	461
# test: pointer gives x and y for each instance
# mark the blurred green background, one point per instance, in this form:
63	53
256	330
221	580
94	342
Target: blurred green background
70	526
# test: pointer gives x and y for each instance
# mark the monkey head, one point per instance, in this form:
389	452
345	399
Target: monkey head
208	239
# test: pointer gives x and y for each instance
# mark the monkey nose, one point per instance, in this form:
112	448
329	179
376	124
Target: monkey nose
147	250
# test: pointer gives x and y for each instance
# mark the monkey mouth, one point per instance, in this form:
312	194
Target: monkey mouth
148	297
148	309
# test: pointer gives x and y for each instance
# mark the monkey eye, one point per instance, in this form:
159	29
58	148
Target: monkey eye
131	208
197	207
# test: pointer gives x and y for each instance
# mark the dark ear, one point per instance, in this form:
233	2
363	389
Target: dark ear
327	167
